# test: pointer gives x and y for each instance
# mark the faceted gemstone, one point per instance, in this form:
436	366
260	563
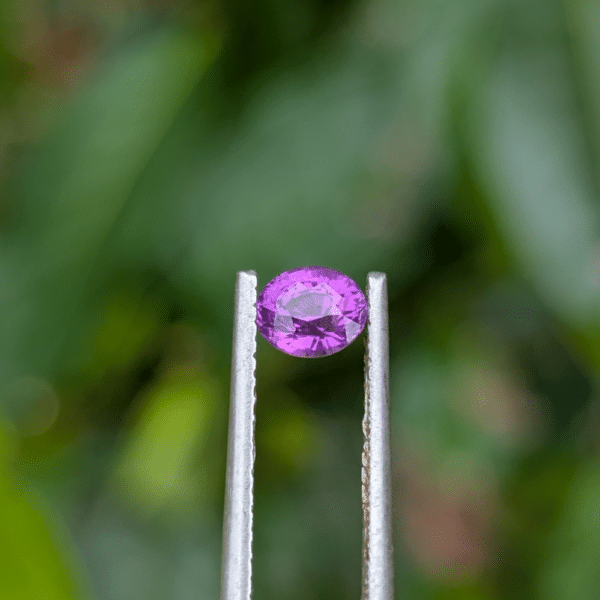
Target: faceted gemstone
311	311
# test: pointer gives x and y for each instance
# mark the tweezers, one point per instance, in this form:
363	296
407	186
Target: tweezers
377	566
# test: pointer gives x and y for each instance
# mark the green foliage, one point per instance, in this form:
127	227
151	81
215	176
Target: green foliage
453	145
157	469
36	561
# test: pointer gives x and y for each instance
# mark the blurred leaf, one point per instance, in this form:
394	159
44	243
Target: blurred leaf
158	468
530	152
571	570
583	22
35	560
77	190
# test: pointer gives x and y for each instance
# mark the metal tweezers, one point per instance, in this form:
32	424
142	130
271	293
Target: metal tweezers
377	567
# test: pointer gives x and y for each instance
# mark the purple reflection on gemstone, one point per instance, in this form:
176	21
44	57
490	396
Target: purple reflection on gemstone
311	311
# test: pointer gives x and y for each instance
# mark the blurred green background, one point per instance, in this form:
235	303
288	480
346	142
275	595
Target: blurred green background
149	149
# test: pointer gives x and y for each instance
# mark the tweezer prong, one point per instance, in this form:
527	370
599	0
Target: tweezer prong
377	567
236	575
236	570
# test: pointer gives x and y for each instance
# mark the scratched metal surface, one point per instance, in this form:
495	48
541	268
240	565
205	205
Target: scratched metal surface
236	571
377	579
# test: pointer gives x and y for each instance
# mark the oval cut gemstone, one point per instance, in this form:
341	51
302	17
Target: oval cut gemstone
311	311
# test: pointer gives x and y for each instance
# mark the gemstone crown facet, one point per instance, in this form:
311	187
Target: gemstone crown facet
311	311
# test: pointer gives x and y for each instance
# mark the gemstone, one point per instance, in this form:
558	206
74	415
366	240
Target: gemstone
311	311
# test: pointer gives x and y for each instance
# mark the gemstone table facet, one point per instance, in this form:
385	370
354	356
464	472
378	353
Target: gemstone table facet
311	311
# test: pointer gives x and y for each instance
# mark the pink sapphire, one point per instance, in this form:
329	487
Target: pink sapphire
311	311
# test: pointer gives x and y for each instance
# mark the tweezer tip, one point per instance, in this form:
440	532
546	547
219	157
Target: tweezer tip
250	274
376	276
